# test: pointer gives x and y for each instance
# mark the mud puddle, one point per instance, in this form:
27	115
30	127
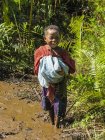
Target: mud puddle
21	119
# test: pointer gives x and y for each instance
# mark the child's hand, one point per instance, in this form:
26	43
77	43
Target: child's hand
51	97
50	93
61	72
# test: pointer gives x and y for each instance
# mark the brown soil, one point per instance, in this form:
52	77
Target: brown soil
21	118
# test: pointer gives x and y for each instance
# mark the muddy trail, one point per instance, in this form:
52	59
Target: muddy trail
21	115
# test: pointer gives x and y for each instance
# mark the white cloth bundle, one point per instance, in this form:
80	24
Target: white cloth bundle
48	68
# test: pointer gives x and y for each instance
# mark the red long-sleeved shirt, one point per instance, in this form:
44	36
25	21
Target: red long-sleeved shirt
58	52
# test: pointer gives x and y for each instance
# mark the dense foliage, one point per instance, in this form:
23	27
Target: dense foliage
82	25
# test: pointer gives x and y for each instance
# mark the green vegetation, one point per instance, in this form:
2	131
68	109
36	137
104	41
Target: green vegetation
82	24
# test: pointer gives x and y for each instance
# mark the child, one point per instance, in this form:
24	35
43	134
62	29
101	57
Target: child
56	92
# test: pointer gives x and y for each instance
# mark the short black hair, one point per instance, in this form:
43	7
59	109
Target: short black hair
51	27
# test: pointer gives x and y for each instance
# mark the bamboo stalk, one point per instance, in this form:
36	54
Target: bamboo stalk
17	26
5	11
30	19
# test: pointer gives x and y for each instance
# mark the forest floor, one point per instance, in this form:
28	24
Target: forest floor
21	115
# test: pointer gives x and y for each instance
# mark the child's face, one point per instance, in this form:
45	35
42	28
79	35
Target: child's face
52	38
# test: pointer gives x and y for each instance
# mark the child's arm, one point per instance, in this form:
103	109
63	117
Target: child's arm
37	57
35	64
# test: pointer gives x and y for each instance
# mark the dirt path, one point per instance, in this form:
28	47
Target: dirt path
22	119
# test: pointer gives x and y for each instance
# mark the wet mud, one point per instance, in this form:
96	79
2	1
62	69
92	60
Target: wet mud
21	119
